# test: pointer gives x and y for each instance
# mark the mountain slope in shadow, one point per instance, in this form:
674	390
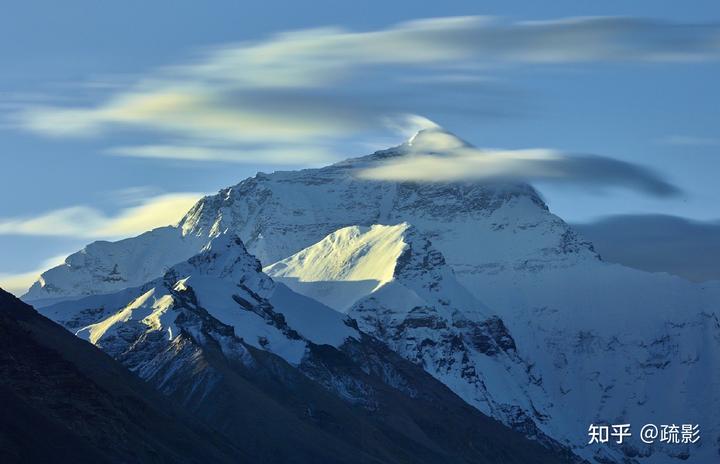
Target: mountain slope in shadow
283	377
63	400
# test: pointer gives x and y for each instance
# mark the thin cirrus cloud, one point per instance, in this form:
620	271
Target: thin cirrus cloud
321	85
18	283
435	155
289	155
87	222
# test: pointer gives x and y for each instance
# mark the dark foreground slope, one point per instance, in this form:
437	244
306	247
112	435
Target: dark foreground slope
63	400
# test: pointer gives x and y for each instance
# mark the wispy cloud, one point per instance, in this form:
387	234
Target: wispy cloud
84	221
18	283
276	155
438	156
315	86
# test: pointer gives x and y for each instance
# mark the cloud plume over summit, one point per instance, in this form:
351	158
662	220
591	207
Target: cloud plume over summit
435	155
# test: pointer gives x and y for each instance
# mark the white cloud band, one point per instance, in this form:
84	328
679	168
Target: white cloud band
83	221
437	156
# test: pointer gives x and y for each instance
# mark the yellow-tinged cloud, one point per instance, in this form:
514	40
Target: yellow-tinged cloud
277	155
159	211
18	283
313	85
83	221
195	111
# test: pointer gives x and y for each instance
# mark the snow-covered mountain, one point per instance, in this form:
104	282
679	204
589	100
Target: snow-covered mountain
602	342
104	267
281	213
400	290
266	365
587	359
227	280
612	343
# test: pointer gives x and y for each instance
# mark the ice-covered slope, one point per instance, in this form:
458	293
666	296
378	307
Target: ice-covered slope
281	213
400	290
228	281
104	267
600	342
346	265
613	343
284	377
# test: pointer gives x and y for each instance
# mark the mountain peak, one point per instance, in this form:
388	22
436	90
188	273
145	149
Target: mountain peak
224	256
435	140
356	261
359	253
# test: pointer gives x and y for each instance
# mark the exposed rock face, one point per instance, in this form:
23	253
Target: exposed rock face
417	307
609	338
282	376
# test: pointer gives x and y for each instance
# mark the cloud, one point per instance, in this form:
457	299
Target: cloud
658	243
438	156
192	110
409	125
316	86
315	57
83	221
289	155
19	283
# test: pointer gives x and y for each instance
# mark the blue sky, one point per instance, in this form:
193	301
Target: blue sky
90	149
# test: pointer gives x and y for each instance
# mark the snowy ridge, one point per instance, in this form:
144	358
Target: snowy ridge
601	342
611	342
279	214
105	267
224	281
222	339
598	341
363	260
396	260
400	290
